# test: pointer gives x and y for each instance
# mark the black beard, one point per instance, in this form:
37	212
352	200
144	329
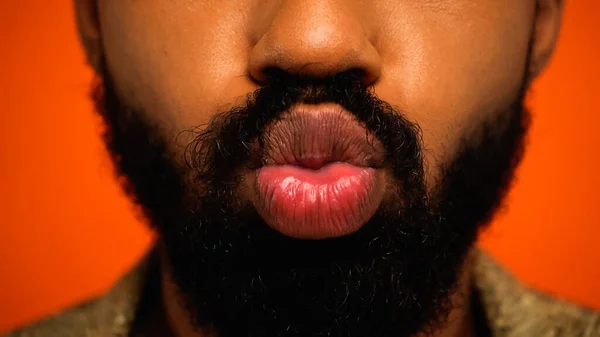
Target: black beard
394	277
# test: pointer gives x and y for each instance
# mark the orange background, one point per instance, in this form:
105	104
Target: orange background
67	232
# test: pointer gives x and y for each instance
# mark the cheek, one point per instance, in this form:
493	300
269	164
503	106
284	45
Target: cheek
451	73
179	62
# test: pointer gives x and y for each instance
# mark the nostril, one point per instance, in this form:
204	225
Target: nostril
274	74
271	75
359	74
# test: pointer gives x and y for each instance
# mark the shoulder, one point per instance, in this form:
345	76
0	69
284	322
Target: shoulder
109	315
558	318
514	310
95	318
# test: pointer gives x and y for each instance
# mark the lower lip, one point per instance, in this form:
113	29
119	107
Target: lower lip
333	201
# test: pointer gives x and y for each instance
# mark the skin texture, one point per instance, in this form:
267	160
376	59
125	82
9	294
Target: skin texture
163	54
446	64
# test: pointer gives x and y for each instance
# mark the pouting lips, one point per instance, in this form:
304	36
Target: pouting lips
320	176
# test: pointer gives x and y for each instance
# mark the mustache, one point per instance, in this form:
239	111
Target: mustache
219	149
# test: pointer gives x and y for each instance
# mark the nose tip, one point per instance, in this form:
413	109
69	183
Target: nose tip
314	40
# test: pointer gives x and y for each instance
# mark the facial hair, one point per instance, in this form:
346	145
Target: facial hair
393	277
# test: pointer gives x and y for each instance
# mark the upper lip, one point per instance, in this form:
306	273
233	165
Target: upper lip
311	136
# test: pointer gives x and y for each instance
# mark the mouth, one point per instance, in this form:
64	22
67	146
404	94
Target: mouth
321	175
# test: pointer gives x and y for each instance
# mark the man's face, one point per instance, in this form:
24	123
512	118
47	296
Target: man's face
446	64
316	167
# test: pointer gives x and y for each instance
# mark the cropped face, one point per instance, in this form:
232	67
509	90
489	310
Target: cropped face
316	168
446	64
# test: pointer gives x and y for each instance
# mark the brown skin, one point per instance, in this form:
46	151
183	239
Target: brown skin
446	63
